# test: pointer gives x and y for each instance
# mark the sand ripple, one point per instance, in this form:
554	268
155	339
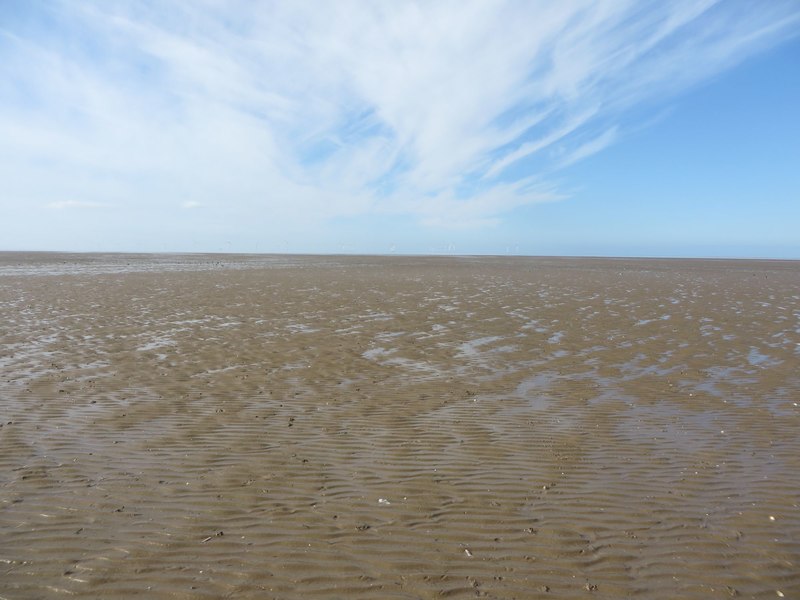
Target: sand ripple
191	427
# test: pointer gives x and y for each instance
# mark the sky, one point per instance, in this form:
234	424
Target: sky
602	128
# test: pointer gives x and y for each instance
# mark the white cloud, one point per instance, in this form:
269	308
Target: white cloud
479	210
593	146
532	147
442	110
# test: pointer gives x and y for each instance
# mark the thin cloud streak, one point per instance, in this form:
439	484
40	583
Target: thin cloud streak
445	112
593	146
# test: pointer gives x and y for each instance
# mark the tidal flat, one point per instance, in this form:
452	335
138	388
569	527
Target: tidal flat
255	426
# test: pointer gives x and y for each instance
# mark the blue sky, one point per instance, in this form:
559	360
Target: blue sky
589	128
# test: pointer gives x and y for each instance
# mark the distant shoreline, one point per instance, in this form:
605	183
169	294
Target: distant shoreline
592	257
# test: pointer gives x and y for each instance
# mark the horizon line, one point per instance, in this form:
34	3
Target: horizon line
405	255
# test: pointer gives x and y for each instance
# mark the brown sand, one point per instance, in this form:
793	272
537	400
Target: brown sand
328	427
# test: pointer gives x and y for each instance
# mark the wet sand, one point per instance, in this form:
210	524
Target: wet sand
388	427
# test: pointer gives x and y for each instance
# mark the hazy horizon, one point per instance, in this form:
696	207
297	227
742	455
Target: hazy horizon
442	254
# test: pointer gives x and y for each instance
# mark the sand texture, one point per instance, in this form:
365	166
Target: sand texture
389	427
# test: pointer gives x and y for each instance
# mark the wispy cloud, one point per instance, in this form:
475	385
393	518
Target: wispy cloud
593	146
443	111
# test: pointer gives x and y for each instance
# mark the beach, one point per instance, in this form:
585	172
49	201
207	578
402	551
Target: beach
247	426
